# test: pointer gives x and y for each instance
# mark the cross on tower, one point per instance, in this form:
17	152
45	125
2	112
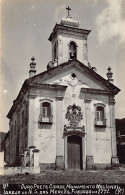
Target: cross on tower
68	10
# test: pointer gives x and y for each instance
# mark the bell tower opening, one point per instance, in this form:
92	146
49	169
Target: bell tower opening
55	51
72	50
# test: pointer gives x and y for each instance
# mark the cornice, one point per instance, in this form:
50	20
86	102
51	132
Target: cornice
64	28
87	100
96	91
46	86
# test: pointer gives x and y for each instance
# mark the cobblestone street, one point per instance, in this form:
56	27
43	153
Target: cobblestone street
64	177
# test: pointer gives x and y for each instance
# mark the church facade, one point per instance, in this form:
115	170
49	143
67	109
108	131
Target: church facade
66	113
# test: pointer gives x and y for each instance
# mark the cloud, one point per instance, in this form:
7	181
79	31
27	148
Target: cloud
110	22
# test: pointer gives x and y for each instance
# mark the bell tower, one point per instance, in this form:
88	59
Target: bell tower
69	41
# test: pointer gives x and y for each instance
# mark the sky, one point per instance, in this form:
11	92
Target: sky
25	29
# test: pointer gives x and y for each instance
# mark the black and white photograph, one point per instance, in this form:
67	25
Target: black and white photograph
62	113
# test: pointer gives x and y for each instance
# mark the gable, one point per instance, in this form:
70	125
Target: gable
74	77
61	75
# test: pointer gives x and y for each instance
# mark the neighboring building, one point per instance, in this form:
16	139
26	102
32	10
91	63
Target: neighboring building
66	112
2	136
120	132
7	148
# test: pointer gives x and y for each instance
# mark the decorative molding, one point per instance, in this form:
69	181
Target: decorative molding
45	100
74	117
32	96
79	133
112	102
72	128
48	120
32	147
87	100
99	104
36	150
59	98
47	86
95	91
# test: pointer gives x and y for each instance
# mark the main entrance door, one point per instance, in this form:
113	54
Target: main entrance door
74	146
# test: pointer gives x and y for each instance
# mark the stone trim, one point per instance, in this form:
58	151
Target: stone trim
101	166
78	133
36	150
32	96
62	28
87	100
46	100
32	147
83	152
59	98
47	86
89	162
59	162
95	91
115	162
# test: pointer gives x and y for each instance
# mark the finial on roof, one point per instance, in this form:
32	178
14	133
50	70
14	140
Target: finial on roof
32	62
109	75
32	71
68	8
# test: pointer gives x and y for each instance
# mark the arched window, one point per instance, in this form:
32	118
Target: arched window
45	112
100	113
46	109
72	50
55	50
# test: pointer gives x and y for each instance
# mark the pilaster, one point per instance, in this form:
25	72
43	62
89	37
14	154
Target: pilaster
89	157
31	149
59	134
114	160
31	125
36	158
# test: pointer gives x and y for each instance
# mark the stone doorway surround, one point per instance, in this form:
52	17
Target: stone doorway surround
82	135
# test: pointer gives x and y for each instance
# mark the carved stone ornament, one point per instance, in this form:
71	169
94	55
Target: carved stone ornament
74	115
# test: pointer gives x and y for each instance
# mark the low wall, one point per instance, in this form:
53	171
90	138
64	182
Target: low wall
19	170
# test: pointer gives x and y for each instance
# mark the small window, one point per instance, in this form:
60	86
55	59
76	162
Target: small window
45	113
45	110
73	76
100	120
55	50
100	113
73	50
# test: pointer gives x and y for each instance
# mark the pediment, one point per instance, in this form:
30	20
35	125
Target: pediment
73	73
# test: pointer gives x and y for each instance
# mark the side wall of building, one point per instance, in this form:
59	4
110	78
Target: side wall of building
18	130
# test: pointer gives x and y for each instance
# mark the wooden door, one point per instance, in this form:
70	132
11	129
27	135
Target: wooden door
74	147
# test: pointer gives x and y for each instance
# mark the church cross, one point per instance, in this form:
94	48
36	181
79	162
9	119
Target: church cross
68	10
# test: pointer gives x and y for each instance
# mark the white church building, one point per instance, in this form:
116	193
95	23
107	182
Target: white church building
67	113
